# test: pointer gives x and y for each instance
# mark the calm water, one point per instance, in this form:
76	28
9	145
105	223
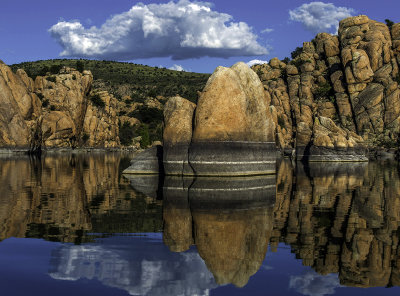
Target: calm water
73	225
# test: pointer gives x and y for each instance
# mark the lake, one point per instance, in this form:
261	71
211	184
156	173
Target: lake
72	224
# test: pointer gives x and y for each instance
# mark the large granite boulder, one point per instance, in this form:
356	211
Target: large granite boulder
178	118
233	128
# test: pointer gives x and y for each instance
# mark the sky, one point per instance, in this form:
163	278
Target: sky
184	35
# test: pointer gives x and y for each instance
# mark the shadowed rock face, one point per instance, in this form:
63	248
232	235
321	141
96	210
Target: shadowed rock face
350	79
342	219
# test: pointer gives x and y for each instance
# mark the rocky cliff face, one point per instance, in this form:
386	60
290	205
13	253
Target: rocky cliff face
55	111
348	82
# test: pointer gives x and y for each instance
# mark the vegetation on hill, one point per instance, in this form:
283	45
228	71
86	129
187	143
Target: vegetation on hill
126	79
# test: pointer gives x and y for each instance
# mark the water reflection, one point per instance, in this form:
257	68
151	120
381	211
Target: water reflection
61	197
341	220
142	267
231	231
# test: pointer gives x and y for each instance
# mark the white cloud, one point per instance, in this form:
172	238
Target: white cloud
314	284
177	68
320	17
256	62
181	30
267	30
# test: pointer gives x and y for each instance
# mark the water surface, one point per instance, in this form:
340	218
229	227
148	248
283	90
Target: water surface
71	224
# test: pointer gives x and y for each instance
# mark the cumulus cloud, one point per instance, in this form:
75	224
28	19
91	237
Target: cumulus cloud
314	284
256	62
180	30
177	68
267	30
320	17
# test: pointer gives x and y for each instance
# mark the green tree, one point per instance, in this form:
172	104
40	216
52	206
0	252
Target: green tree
80	66
389	23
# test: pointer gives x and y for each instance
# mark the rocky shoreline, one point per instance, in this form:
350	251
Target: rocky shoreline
338	99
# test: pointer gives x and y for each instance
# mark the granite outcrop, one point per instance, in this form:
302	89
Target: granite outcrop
340	94
55	111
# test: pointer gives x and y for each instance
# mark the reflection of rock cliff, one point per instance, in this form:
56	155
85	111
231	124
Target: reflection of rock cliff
229	220
54	111
134	265
60	197
342	220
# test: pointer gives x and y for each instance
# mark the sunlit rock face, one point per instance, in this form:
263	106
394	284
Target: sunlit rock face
350	79
233	127
54	111
342	219
135	267
229	132
177	135
228	219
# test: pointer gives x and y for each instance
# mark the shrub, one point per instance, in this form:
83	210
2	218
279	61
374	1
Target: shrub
143	131
389	23
55	69
52	108
286	60
51	79
85	137
296	52
126	133
147	114
40	95
324	90
281	121
80	66
45	103
97	101
44	71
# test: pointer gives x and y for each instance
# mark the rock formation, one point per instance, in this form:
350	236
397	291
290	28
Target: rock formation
350	79
178	118
54	111
233	130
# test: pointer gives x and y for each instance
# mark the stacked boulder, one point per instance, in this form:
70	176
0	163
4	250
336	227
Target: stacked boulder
350	80
229	132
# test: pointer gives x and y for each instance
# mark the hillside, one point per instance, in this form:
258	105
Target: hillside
126	79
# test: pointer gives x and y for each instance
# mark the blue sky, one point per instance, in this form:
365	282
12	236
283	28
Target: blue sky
183	33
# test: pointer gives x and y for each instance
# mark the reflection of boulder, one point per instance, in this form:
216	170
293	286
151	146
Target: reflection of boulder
176	213
232	222
233	243
137	265
146	184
